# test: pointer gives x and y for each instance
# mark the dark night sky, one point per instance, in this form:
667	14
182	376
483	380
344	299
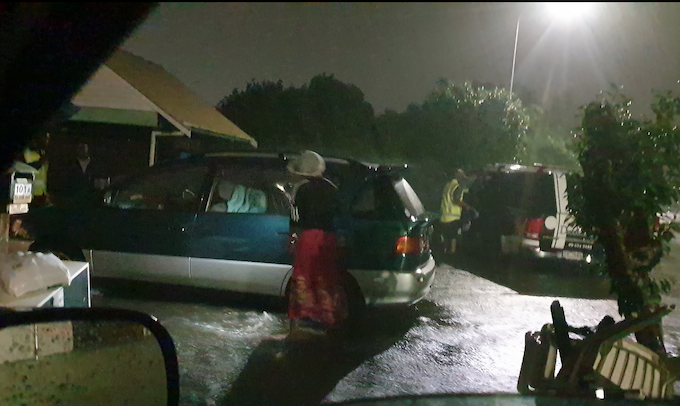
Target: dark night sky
395	52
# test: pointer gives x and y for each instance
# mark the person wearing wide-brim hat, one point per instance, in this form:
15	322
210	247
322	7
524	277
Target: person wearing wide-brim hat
317	299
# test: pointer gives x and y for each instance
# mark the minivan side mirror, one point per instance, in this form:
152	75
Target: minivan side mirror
86	356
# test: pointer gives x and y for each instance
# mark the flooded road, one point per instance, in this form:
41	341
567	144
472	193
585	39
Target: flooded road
466	336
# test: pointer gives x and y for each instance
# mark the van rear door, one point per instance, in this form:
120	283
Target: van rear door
566	235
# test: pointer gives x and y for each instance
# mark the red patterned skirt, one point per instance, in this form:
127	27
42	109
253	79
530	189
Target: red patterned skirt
317	283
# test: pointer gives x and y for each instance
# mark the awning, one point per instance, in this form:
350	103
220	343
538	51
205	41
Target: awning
150	87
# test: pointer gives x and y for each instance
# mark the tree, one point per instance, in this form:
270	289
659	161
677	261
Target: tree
457	126
460	123
547	144
548	139
327	116
630	172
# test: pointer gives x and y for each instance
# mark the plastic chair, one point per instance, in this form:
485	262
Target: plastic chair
602	359
634	367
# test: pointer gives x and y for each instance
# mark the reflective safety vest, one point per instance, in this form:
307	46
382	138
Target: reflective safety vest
450	210
40	182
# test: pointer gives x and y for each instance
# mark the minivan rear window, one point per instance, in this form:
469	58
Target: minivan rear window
378	199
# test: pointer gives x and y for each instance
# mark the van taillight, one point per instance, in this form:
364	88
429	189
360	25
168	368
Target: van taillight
533	228
411	245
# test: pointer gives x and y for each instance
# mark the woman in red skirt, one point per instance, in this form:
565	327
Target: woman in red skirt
317	302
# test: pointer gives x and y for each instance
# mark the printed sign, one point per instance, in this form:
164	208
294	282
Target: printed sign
22	192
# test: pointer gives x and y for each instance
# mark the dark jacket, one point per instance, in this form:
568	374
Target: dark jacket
75	187
316	205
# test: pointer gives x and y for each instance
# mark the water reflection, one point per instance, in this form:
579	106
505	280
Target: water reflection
279	372
538	278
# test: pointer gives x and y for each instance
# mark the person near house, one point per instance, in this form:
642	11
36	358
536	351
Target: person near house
76	185
318	302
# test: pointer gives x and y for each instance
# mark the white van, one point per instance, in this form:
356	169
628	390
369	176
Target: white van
523	210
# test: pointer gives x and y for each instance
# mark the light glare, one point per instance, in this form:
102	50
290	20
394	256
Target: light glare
569	11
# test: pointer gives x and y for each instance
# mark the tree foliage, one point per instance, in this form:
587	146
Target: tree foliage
326	115
457	125
630	172
466	125
547	143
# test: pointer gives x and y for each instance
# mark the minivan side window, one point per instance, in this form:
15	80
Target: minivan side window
231	195
172	189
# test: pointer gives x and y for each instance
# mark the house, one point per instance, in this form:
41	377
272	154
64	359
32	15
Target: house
133	113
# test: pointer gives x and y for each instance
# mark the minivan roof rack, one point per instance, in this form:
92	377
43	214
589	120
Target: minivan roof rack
287	155
535	168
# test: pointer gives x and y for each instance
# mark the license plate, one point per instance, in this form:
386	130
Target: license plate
23	193
572	255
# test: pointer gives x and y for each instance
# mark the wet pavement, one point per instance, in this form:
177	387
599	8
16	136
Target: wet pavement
466	336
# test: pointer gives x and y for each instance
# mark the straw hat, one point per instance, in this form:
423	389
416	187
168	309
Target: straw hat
309	163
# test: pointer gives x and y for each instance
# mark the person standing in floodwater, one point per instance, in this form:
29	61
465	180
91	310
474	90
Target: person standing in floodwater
318	302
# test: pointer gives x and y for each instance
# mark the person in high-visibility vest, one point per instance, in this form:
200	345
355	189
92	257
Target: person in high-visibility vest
36	157
452	207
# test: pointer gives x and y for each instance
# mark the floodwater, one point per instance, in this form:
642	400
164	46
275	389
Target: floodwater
467	336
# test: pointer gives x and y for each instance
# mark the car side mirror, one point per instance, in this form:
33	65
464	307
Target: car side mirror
86	356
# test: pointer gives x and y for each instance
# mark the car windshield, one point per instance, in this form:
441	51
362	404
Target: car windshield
526	248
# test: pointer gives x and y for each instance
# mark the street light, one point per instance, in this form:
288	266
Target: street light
568	11
558	11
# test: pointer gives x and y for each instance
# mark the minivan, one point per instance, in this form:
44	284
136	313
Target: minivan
162	225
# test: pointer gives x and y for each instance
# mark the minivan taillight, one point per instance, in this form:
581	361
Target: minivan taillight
533	228
411	245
